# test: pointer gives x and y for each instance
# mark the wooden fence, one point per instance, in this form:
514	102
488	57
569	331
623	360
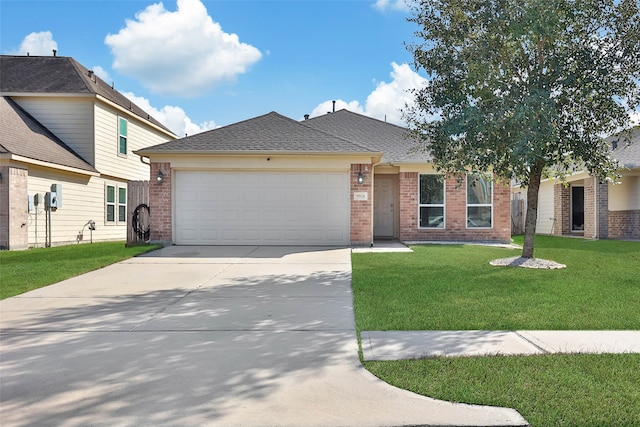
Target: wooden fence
517	216
137	212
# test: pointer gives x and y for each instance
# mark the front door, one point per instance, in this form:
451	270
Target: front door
577	208
383	209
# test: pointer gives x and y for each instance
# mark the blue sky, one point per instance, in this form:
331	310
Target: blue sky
197	64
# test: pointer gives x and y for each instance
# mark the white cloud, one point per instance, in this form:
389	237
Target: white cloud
171	116
102	73
179	53
38	44
635	118
387	99
401	5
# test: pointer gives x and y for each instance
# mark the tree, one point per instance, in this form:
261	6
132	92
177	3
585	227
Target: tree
524	88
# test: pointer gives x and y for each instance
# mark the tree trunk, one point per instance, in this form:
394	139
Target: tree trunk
531	217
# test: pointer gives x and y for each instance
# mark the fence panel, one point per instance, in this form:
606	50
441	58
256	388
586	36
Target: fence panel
517	216
137	212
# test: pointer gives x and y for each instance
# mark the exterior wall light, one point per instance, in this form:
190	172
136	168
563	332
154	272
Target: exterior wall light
159	177
360	178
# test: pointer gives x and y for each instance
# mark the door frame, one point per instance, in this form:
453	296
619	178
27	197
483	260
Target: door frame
395	196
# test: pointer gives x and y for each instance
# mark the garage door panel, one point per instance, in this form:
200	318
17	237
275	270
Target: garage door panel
262	208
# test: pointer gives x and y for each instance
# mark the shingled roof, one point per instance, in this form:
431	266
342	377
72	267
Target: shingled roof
63	75
271	132
626	149
24	136
390	139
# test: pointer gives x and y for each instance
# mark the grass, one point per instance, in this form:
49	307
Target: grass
22	271
454	287
551	390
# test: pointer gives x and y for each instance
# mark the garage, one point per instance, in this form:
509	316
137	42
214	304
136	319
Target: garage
261	208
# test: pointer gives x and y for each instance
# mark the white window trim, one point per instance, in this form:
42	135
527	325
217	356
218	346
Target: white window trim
120	118
443	205
107	204
466	200
116	204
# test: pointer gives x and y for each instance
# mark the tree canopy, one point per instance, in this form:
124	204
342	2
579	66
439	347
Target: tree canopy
525	87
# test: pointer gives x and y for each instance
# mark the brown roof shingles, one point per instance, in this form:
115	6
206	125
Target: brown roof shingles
627	149
390	139
24	136
61	74
269	132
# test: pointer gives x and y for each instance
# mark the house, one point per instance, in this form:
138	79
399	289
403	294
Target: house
339	179
67	133
589	208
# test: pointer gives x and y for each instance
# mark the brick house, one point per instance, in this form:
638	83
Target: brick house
64	128
586	207
338	179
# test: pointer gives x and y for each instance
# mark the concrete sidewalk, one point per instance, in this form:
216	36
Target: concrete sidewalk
205	336
397	345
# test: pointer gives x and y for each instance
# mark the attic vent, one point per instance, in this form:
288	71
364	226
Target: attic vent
614	144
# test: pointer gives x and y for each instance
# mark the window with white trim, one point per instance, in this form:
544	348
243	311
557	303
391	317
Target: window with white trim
122	136
431	200
479	202
122	204
110	211
115	204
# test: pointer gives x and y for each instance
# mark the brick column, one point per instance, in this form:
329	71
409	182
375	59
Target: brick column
596	209
361	210
13	208
408	204
561	209
160	203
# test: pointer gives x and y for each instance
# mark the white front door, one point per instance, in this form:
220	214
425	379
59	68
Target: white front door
261	208
383	209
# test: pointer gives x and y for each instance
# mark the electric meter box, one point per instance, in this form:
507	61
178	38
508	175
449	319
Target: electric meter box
56	195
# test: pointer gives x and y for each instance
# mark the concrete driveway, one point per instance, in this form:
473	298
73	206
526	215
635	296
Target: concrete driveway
193	336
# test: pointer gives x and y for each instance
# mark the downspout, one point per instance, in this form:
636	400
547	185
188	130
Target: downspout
373	165
595	208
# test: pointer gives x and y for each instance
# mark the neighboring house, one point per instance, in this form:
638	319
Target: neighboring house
64	128
586	207
338	179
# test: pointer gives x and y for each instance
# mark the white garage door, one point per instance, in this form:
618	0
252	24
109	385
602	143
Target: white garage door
262	208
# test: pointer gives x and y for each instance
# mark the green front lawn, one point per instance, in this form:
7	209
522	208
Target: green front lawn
454	287
581	390
22	271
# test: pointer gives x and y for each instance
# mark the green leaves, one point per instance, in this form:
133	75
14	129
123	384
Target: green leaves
516	83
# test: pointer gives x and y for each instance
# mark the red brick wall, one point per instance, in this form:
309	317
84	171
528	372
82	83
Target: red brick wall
624	224
562	209
13	208
361	210
593	190
455	213
160	203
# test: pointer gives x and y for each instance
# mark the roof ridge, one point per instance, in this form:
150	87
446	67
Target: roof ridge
79	70
338	137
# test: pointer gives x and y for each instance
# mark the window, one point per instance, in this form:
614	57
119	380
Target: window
479	202
122	141
111	203
122	204
116	206
431	203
